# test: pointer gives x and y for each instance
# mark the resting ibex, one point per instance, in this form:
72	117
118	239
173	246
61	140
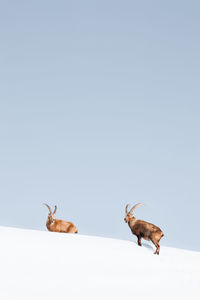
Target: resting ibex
59	225
143	229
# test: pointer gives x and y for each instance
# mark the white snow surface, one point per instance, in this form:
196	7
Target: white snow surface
45	265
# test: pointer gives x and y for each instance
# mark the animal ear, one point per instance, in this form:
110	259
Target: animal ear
126	210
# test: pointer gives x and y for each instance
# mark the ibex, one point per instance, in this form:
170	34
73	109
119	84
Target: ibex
57	225
143	229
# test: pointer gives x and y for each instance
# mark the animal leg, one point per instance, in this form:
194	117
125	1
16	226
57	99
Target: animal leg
157	247
139	240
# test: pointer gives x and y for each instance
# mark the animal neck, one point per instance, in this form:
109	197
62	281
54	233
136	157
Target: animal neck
49	222
132	221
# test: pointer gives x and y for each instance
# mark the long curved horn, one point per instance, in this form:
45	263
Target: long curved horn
134	207
55	209
48	207
127	208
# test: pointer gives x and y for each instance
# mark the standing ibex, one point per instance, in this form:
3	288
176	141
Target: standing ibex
143	229
59	225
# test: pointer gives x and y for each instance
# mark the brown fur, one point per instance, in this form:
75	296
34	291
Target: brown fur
143	229
57	225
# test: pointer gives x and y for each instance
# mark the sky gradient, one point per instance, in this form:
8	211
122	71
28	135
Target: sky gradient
99	107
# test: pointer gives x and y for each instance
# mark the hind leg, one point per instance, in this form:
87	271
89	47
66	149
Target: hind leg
157	247
155	240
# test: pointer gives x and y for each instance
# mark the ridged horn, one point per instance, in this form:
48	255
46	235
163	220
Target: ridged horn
127	208
134	207
48	208
55	209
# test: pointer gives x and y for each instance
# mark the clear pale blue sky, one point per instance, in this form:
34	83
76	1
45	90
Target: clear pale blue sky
99	107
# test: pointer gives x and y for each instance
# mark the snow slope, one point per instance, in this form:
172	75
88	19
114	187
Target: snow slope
43	265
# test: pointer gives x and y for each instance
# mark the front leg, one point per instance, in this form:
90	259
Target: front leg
139	240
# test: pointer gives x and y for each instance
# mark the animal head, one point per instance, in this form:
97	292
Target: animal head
51	215
129	214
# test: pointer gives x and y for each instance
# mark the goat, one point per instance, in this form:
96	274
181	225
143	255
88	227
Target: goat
57	225
143	229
